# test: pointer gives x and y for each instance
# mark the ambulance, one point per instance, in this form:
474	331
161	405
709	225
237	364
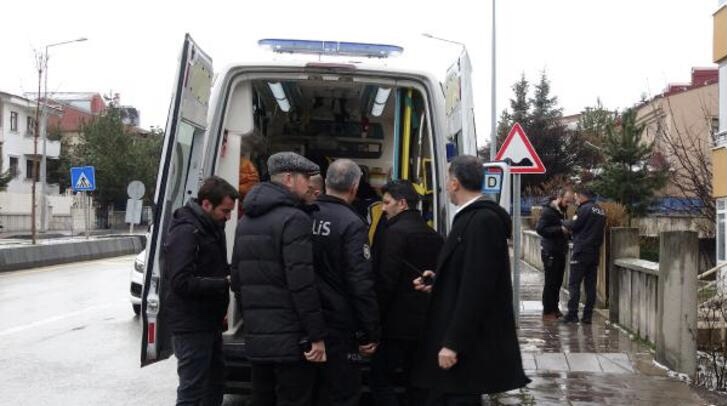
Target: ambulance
322	99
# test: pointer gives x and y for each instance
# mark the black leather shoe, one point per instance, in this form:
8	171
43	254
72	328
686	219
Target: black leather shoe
586	321
569	319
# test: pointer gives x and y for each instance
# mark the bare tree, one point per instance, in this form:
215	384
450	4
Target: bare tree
686	153
712	357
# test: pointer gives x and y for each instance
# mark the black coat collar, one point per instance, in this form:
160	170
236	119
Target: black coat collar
403	216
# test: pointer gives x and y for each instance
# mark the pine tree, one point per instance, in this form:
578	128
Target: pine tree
5	177
626	175
545	110
540	116
520	108
593	124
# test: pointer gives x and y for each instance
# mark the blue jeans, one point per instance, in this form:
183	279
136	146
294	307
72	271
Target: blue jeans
200	367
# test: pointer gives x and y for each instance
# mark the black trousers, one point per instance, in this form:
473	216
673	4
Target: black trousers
283	384
391	358
582	269
554	265
340	377
200	367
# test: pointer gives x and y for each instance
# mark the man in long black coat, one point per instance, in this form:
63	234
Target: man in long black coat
470	346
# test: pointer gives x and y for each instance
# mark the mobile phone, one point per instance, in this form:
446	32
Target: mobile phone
305	345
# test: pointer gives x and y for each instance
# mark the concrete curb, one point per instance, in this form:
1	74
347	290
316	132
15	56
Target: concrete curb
29	256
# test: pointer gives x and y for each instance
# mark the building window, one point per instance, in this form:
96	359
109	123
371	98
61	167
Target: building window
13	167
29	169
721	243
715	125
30	122
13	121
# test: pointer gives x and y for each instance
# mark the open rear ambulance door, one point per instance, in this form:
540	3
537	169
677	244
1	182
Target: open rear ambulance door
459	108
180	171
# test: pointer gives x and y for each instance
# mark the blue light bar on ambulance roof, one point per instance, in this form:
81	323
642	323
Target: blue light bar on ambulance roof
299	46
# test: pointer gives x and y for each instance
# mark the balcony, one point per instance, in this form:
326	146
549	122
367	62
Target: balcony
24	146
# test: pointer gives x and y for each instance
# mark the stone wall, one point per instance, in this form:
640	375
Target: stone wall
32	256
658	301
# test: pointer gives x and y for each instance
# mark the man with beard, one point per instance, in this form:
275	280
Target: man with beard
553	250
196	282
272	274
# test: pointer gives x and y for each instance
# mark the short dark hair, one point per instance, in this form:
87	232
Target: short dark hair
467	169
402	189
585	190
215	189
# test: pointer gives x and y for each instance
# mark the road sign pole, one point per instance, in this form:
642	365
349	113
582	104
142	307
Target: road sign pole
86	214
517	223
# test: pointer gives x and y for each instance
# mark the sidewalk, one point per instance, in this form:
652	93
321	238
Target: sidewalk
578	364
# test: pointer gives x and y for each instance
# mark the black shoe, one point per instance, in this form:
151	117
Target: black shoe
569	319
586	321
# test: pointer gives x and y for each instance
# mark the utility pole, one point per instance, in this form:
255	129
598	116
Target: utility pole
42	66
35	151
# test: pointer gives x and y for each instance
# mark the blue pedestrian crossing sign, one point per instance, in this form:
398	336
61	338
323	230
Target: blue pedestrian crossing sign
83	178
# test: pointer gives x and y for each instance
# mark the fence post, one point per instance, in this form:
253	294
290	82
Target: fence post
623	243
676	323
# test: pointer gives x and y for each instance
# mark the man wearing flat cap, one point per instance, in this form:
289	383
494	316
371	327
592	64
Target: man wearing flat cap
273	276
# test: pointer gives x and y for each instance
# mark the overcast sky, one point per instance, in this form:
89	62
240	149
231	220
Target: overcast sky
616	50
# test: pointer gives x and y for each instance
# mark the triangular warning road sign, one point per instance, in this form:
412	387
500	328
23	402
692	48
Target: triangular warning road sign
518	149
82	182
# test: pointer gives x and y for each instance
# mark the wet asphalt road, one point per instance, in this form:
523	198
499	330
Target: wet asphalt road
68	336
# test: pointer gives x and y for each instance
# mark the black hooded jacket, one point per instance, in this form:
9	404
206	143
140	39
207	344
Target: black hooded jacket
272	274
471	309
195	272
343	267
550	227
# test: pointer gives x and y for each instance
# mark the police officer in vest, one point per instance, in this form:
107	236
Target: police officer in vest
342	259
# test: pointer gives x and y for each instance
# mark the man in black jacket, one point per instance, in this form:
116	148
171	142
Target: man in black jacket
405	247
272	272
587	229
196	287
553	250
470	346
345	282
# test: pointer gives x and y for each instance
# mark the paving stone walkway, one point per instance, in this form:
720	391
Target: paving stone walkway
579	364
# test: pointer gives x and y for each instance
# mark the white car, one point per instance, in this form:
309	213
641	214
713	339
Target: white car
137	280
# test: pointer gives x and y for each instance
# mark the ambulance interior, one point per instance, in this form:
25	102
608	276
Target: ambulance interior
384	129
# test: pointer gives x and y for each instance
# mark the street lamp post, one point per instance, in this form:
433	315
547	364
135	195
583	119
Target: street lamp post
42	66
493	92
